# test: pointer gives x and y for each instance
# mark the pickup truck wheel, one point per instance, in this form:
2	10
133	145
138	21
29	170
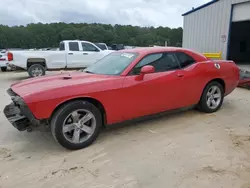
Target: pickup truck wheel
36	70
76	125
3	69
212	98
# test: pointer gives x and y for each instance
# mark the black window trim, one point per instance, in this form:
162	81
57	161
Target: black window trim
170	52
62	44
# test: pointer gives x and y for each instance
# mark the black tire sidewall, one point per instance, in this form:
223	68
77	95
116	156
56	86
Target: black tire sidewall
34	66
203	101
3	69
63	112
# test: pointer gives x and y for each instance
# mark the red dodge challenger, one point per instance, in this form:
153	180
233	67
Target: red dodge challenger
123	85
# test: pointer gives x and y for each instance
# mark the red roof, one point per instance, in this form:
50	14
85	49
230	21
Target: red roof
153	49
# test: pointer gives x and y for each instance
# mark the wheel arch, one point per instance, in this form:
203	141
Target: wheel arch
219	80
32	61
91	100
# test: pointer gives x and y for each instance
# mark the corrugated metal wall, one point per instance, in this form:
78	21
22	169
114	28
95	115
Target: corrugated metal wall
203	29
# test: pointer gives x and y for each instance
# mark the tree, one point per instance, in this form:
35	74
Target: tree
49	35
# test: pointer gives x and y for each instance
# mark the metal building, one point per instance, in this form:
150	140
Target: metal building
219	26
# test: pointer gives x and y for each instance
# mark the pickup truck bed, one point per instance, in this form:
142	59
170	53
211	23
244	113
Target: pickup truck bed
71	55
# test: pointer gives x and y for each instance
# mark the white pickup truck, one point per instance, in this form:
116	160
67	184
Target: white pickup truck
72	54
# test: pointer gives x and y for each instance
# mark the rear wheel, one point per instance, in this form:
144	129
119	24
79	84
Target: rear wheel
212	98
36	70
76	125
3	69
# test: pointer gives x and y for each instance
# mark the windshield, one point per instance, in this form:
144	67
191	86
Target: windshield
113	64
101	46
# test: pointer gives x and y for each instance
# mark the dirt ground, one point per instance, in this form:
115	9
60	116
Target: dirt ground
183	150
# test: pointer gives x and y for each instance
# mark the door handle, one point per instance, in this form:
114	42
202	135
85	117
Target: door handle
180	75
85	53
70	53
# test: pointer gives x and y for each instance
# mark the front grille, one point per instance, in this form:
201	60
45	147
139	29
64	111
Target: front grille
14	97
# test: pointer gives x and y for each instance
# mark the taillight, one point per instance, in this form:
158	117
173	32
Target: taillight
10	56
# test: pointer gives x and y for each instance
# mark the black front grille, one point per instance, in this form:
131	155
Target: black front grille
14	97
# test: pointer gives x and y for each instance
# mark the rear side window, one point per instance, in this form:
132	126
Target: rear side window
184	59
73	46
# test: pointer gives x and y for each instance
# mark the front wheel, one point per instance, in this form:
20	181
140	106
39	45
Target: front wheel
212	98
76	125
3	69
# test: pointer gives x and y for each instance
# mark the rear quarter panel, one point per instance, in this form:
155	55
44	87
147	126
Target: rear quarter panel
230	73
19	59
227	71
53	59
200	74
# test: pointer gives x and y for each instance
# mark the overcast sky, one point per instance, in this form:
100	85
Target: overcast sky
134	12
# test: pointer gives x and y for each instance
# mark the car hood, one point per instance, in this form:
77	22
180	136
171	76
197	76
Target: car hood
45	83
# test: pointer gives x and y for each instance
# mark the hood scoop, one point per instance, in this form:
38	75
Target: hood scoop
67	77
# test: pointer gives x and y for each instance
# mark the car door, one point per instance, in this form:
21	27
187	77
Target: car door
74	55
91	53
191	80
156	92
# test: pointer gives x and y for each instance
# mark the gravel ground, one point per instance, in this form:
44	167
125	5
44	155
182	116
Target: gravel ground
188	149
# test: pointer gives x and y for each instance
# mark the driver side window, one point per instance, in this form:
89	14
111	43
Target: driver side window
162	62
89	47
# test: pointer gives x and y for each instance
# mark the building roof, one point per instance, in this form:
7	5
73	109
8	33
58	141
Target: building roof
200	7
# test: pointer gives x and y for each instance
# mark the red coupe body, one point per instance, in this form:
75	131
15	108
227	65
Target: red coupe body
125	96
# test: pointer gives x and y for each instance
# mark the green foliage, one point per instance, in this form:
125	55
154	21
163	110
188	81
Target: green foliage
49	35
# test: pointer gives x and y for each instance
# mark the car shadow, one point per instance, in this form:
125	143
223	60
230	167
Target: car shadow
151	118
43	141
14	76
38	142
19	78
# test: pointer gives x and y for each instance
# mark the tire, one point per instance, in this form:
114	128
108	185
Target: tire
36	70
203	105
64	114
3	69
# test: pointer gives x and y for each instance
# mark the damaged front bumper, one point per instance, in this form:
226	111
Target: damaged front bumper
19	114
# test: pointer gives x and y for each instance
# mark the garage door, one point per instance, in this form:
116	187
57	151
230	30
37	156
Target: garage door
241	12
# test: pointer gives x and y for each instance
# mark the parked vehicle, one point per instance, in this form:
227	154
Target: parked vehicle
124	85
102	46
72	54
244	79
117	47
3	61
